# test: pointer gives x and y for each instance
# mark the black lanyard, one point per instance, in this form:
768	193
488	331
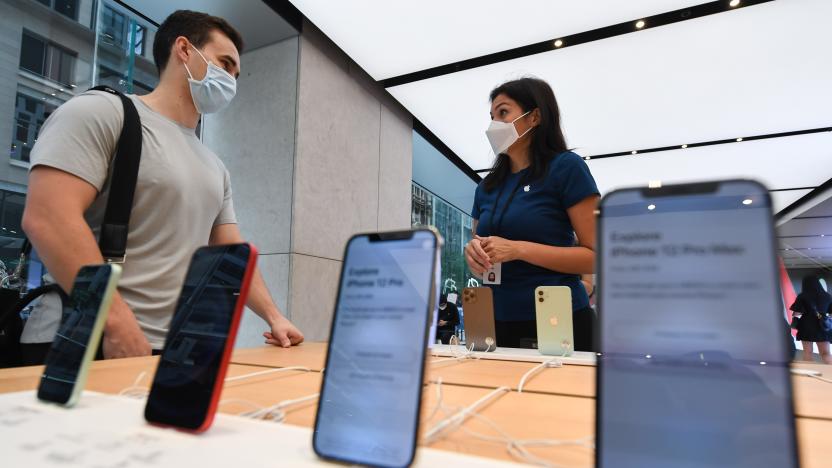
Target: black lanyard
496	224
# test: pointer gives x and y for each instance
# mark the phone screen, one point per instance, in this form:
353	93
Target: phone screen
183	388
73	338
694	366
368	412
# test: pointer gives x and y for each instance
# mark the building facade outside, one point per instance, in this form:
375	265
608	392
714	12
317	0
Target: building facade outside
53	50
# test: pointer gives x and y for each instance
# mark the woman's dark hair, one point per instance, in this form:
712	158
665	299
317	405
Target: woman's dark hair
547	138
812	288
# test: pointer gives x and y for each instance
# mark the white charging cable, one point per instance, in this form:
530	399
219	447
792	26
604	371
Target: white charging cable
459	418
137	391
266	372
810	373
277	412
453	343
551	363
515	448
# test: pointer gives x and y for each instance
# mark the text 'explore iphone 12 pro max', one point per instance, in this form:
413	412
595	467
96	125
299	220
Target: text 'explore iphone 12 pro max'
693	367
368	411
79	334
191	371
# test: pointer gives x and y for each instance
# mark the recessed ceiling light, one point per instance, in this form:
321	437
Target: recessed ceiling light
651	207
739	139
640	24
587	158
684	146
559	43
734	3
634	152
747	201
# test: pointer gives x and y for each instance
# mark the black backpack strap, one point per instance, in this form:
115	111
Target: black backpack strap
24	301
114	228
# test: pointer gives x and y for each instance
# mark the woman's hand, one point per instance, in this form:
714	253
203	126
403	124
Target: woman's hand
475	257
500	250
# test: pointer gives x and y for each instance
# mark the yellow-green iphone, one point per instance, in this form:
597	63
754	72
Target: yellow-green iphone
553	307
79	333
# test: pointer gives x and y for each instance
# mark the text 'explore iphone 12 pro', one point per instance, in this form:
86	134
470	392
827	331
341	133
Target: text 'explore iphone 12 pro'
693	367
191	371
368	411
79	334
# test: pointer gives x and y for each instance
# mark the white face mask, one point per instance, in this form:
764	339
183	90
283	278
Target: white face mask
213	92
502	135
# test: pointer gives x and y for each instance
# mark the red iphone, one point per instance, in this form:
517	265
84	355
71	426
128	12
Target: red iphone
189	379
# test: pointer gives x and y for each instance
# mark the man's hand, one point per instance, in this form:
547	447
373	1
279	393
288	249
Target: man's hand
442	323
122	335
500	250
283	333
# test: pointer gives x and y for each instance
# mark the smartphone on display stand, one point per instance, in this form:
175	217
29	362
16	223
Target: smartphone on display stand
553	308
368	411
189	379
478	305
694	358
79	334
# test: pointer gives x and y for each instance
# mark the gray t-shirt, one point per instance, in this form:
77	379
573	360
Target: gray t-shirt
183	191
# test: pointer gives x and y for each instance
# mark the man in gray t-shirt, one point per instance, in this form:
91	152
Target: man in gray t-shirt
182	199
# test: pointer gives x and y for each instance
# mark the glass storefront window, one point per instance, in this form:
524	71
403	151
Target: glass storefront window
68	8
31	110
46	59
454	224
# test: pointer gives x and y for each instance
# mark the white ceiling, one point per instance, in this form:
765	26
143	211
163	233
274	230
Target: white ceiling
391	38
808	157
258	24
752	71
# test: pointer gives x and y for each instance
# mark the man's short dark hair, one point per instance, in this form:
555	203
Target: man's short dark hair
196	26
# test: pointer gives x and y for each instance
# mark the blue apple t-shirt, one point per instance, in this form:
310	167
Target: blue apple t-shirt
536	213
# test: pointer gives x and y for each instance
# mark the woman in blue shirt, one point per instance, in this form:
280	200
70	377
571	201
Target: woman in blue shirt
534	217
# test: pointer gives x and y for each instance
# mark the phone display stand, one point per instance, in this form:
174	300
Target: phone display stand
580	358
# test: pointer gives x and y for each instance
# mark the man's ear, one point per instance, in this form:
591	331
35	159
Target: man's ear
181	49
